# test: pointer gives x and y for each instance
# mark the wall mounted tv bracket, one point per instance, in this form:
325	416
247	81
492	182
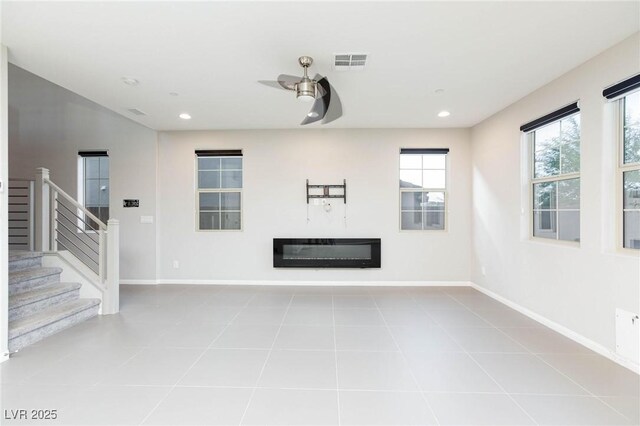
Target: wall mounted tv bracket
326	191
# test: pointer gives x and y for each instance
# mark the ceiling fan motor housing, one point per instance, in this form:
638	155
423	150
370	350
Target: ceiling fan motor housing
306	88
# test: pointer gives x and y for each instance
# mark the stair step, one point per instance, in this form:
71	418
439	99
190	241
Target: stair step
19	260
28	279
32	301
36	327
23	254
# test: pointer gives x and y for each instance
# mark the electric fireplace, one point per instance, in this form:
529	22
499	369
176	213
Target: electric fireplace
326	252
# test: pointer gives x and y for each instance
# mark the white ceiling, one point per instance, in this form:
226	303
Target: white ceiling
485	55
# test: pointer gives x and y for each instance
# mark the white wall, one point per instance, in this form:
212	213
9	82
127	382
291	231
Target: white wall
276	166
48	125
578	287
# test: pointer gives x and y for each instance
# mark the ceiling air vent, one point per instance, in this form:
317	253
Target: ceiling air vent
136	111
349	61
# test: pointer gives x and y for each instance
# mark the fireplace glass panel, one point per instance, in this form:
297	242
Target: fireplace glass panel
326	252
335	251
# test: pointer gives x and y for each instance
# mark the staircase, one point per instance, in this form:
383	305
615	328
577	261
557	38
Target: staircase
39	304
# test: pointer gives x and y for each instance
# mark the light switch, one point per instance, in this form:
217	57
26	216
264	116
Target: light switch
146	219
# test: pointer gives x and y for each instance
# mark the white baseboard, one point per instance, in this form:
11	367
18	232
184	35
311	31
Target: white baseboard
578	338
138	282
301	283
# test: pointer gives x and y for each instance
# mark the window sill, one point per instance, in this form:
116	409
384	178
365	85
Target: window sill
624	252
411	231
550	242
219	230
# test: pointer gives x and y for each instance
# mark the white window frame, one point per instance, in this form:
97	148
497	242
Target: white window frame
621	169
82	220
532	181
444	190
198	191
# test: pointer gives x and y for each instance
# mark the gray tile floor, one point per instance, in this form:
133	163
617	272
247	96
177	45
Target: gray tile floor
309	355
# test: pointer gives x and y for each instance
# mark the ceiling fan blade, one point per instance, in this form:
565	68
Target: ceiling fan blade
321	104
334	109
318	111
321	85
288	81
284	81
271	83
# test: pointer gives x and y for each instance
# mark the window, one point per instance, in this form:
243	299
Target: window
94	178
555	177
219	190
627	95
423	189
630	169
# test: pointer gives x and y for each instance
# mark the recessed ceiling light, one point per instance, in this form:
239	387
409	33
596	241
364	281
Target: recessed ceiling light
130	81
438	91
185	116
173	94
444	114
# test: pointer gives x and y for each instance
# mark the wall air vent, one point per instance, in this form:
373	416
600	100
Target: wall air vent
349	61
136	111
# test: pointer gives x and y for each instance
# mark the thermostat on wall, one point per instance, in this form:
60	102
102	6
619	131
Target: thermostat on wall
130	203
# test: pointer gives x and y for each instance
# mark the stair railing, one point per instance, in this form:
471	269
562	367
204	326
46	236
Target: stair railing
21	221
62	223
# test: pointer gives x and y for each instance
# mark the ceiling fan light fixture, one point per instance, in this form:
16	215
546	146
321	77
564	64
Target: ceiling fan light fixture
305	97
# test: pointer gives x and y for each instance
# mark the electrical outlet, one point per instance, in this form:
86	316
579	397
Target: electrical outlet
176	264
483	270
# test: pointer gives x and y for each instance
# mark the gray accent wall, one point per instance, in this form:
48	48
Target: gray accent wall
48	125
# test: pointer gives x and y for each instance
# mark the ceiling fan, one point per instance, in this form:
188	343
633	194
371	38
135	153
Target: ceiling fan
326	105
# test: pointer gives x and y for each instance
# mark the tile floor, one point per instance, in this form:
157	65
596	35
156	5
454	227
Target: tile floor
307	355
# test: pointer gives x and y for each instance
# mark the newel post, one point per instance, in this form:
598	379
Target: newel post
42	210
111	300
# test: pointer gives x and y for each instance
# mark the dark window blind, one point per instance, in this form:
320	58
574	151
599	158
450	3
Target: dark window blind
219	153
619	89
93	153
424	150
551	117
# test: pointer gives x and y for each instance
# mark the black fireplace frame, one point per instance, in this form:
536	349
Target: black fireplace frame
280	262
